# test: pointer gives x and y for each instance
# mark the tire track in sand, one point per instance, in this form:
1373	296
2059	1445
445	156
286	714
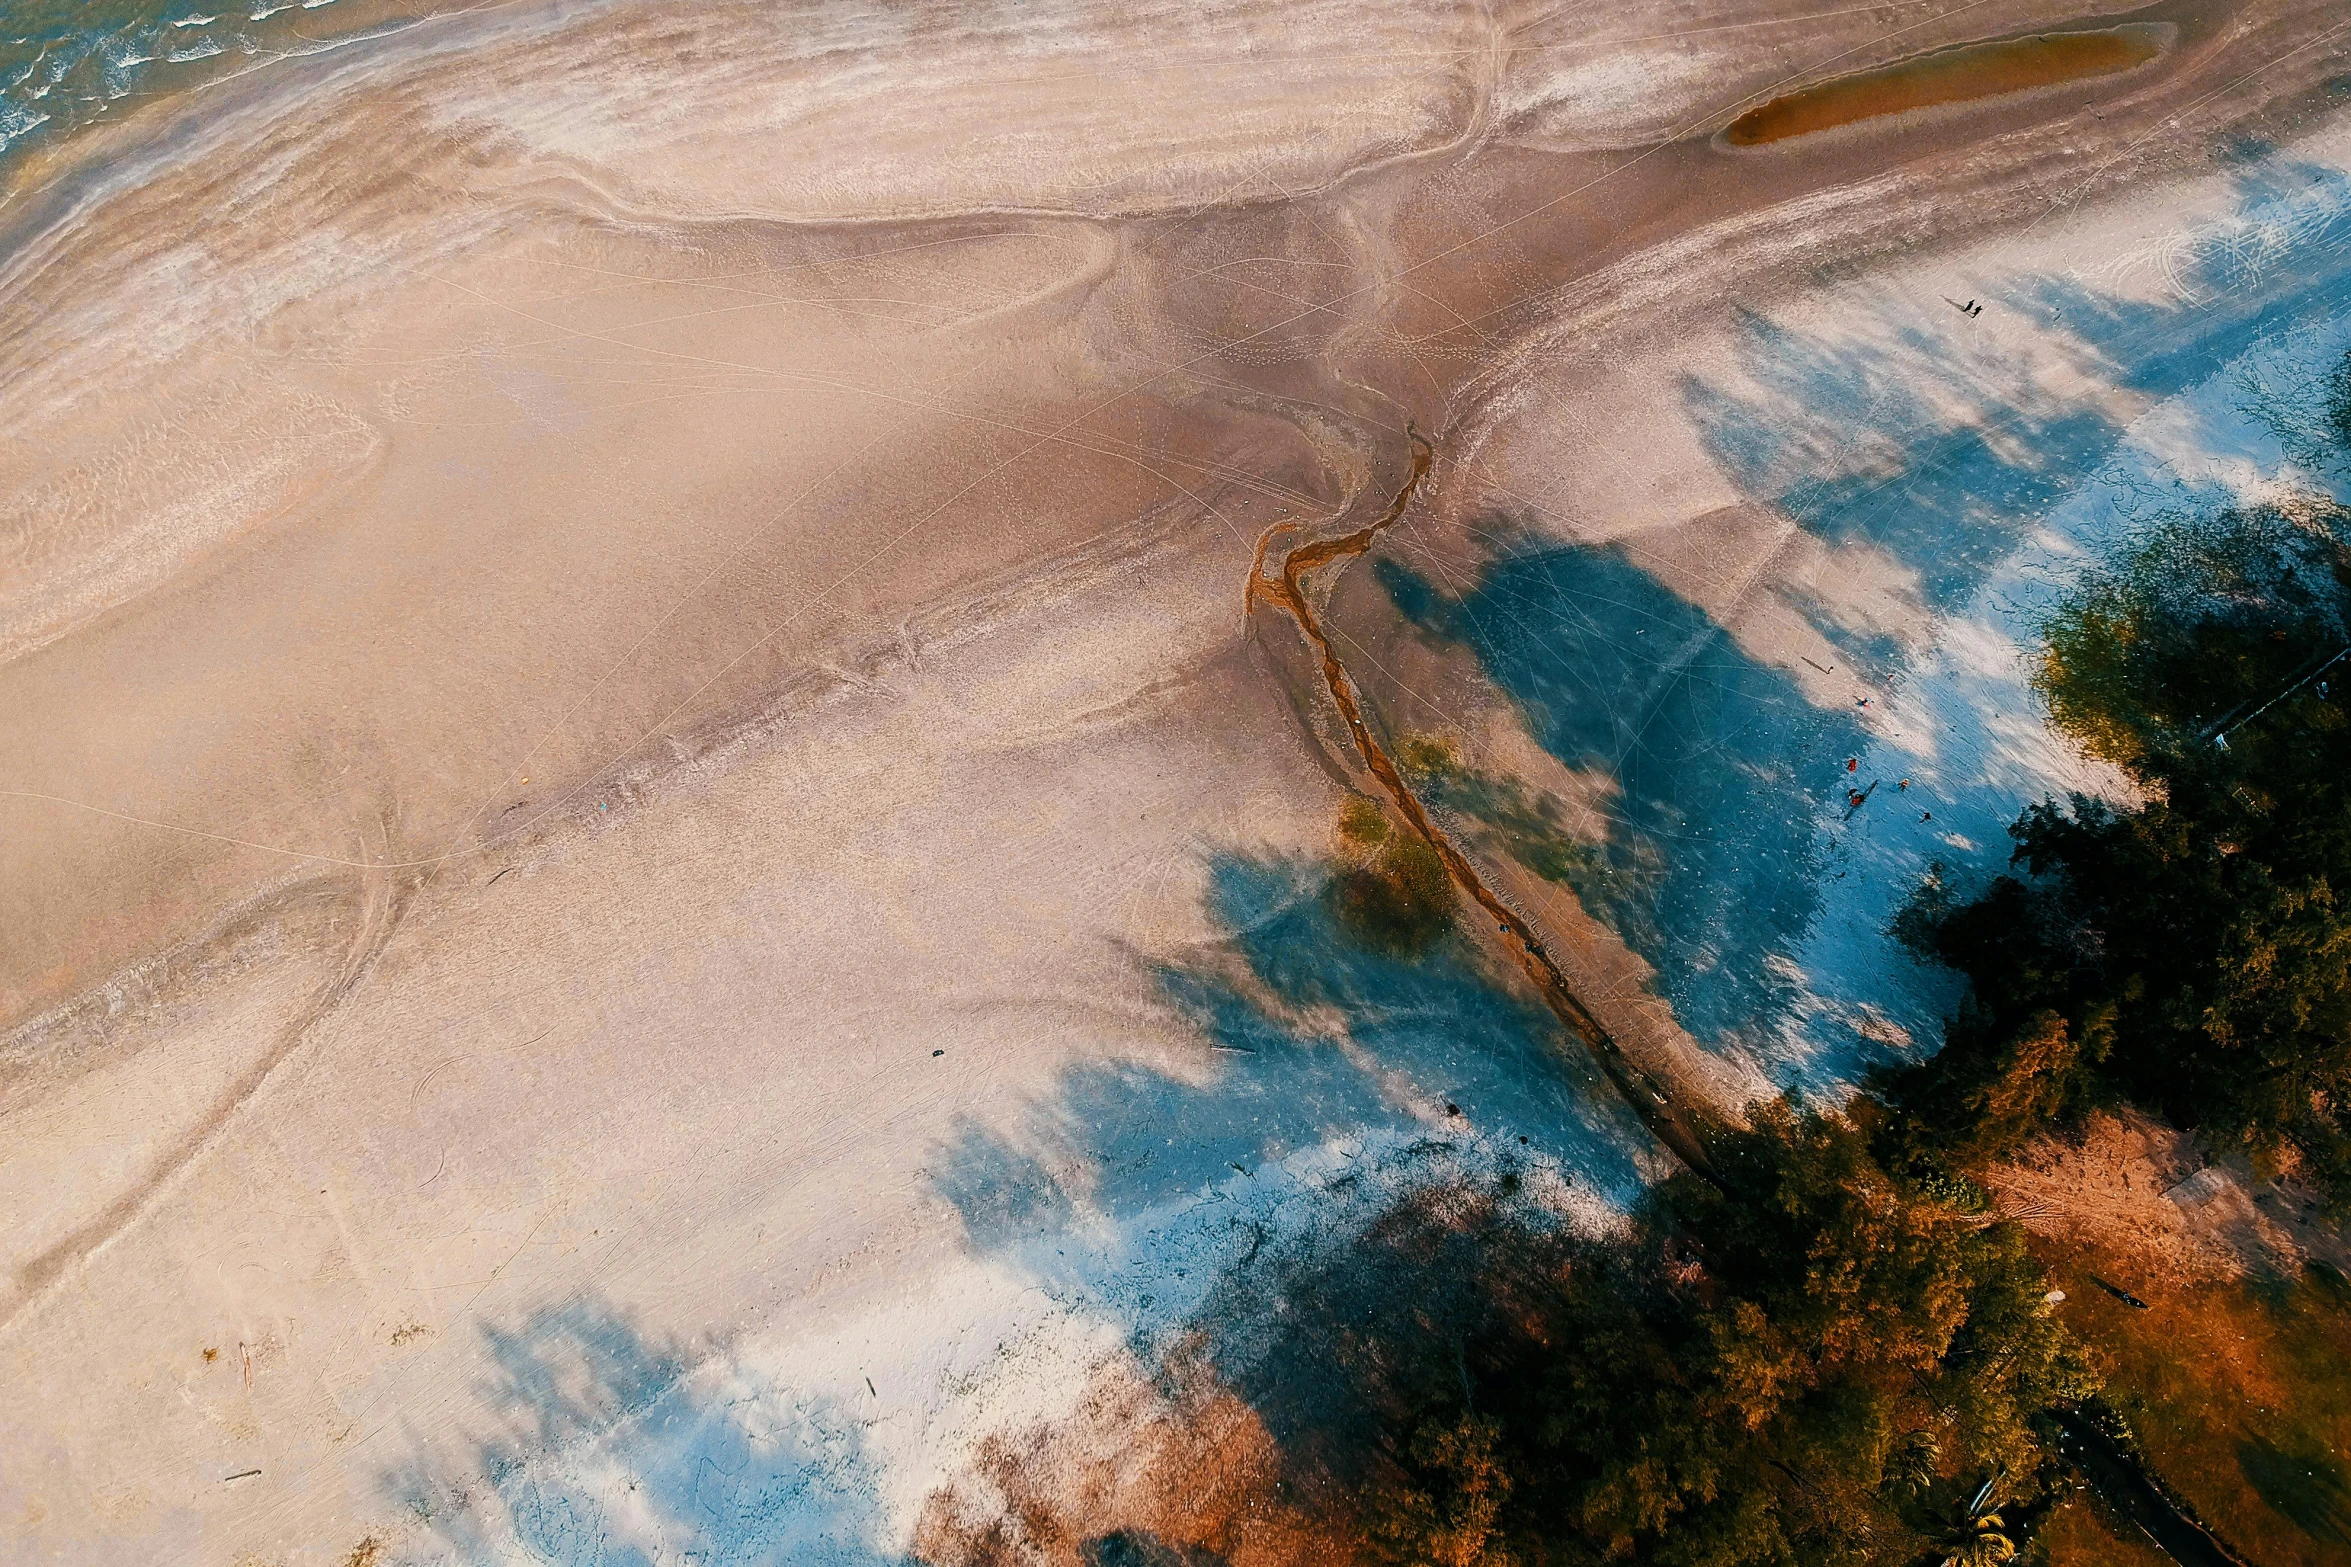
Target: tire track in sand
380	901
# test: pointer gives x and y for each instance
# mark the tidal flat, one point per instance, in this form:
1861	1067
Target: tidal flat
675	887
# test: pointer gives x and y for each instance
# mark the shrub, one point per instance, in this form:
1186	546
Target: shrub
1393	893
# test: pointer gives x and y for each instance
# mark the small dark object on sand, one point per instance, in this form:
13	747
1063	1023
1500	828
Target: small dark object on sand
937	1053
2121	1294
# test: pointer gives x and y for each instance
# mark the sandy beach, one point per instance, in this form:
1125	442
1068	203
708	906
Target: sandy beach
662	891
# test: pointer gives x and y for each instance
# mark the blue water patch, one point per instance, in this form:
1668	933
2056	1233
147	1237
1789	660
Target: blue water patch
67	64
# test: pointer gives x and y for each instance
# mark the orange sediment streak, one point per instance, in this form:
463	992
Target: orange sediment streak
1664	1121
1947	76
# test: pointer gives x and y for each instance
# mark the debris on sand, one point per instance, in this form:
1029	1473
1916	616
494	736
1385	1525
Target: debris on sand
2118	1292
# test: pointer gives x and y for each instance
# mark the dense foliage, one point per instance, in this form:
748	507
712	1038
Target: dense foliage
1807	1363
2192	953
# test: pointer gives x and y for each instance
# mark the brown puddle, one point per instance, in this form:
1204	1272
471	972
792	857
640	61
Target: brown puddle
1950	76
1664	1118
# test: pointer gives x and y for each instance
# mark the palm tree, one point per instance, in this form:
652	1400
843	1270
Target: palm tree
1979	1542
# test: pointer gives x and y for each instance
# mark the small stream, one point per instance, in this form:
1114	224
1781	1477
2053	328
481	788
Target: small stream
1649	1099
2118	1478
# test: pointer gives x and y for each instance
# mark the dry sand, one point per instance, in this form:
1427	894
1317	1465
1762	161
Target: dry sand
2135	1189
589	588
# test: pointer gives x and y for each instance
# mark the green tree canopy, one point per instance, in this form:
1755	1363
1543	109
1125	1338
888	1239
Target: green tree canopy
1808	1363
2191	953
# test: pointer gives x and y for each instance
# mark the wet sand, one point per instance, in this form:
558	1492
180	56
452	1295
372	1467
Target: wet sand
1986	70
569	624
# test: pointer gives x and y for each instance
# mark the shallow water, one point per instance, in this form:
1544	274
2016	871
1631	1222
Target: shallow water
1947	76
69	64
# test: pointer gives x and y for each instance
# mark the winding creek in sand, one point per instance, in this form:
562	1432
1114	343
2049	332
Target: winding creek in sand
1650	1101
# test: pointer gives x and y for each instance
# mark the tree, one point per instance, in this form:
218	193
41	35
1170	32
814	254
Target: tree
1801	1364
1446	1508
1980	1541
2191	953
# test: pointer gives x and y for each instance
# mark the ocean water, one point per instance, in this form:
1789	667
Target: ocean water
69	64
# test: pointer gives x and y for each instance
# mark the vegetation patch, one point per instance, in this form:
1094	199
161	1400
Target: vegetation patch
2157	659
1615	882
1507	816
1392	892
1808	1362
2191	954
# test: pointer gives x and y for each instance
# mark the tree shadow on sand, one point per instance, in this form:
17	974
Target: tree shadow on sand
621	1452
1933	444
1715	847
1342	1086
1314	1038
2302	1481
1322	1180
1945	453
